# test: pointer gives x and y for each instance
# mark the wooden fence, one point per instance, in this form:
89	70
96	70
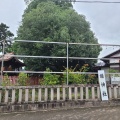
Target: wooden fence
32	94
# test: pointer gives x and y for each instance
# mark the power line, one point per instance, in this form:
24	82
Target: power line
82	1
116	2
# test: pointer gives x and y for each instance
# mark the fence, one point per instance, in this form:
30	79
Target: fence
33	94
55	57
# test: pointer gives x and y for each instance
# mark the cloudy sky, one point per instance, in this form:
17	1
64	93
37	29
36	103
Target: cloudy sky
104	18
11	13
105	22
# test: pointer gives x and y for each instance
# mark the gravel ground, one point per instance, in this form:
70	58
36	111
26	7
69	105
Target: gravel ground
106	113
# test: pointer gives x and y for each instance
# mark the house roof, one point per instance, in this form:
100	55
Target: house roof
6	57
10	56
106	62
111	54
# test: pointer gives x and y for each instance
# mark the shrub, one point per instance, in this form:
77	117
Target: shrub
23	79
50	79
76	78
114	71
6	81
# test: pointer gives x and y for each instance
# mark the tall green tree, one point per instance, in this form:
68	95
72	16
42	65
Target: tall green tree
50	22
32	4
4	35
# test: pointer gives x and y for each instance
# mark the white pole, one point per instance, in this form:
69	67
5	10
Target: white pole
67	63
2	62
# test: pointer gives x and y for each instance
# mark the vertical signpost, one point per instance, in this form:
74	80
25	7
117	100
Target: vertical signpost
102	83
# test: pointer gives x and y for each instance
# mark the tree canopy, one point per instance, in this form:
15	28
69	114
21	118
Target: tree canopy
48	21
5	34
34	3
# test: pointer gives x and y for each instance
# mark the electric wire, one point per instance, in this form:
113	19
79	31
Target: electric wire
108	2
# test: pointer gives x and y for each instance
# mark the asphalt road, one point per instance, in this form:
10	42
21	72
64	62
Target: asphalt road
107	113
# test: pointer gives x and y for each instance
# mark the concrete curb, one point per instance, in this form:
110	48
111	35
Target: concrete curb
56	105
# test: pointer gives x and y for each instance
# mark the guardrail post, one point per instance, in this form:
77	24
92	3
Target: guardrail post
87	94
119	91
93	93
76	93
46	94
33	95
39	95
20	96
81	93
0	96
58	93
115	92
13	95
110	92
6	96
70	93
64	93
98	92
26	95
52	94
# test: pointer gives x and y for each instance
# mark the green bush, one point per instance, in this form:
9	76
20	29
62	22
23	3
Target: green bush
53	79
79	78
6	81
22	79
114	71
50	79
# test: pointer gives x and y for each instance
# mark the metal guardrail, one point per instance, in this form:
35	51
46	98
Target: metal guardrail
67	57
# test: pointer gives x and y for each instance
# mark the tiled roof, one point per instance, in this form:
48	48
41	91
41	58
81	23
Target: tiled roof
9	56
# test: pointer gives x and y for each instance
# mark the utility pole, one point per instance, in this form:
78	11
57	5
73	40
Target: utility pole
2	62
67	63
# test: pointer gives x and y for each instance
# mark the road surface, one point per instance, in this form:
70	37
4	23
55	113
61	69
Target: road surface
106	113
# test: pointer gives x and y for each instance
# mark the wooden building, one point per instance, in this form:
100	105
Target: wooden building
11	63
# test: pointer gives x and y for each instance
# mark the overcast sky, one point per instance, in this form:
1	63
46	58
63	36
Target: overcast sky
105	22
11	13
104	18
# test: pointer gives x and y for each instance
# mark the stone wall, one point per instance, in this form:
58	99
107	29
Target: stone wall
23	98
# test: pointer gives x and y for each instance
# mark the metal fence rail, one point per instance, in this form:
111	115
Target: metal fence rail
67	57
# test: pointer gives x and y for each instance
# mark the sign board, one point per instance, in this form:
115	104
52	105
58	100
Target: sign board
114	79
102	83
